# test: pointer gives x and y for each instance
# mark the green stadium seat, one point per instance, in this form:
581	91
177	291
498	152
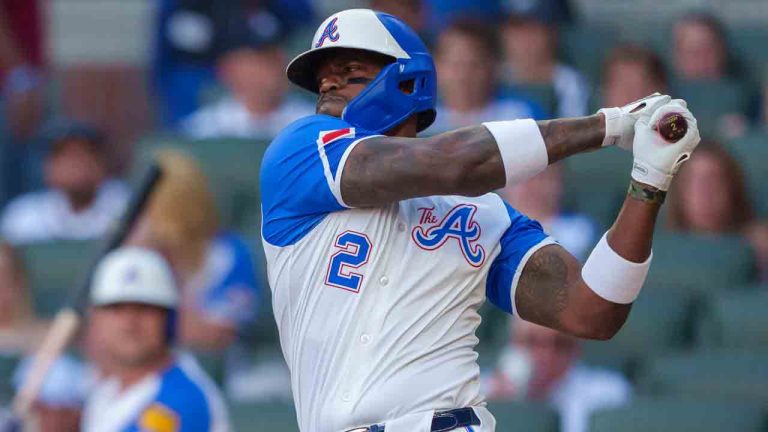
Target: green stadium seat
678	415
736	320
596	183
542	94
520	416
493	334
55	271
711	100
737	375
232	167
748	45
752	153
272	417
660	321
8	363
585	47
702	263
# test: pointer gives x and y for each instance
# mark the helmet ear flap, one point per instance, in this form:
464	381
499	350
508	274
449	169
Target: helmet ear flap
400	90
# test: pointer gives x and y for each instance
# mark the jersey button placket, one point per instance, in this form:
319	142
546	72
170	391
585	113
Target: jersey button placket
384	281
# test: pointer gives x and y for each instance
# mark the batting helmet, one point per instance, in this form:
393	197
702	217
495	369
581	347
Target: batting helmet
405	87
136	275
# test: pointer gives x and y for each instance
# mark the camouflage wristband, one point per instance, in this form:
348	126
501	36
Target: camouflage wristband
642	192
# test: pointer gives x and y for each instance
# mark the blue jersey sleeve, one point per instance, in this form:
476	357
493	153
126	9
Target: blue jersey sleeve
300	176
523	237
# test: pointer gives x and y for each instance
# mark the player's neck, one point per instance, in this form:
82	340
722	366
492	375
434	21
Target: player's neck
406	129
131	375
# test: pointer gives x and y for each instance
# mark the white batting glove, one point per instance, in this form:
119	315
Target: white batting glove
656	160
620	121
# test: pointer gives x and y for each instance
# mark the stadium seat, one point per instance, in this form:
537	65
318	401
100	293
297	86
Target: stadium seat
585	47
678	415
8	363
519	416
702	263
55	271
737	375
659	321
752	153
748	45
232	166
272	417
731	96
542	94
736	320
596	183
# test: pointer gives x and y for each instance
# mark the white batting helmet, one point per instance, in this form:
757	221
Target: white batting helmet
134	275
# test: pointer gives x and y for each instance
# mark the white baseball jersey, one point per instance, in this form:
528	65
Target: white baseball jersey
377	308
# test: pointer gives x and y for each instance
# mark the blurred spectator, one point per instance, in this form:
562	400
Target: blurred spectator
80	200
632	72
60	402
442	12
189	36
541	198
700	50
252	68
541	364
20	65
466	58
20	330
413	12
529	39
710	197
143	384
219	291
21	91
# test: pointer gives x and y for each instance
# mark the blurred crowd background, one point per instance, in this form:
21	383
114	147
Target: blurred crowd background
92	90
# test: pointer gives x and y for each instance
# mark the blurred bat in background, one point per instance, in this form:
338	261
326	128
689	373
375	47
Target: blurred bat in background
67	321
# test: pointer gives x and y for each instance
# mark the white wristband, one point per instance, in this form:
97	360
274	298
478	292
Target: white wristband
611	276
522	148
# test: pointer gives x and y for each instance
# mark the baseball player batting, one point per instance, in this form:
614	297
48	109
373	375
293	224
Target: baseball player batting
382	246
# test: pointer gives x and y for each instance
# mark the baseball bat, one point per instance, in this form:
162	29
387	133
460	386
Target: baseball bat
67	321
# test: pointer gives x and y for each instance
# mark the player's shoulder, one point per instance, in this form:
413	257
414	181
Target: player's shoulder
310	128
188	393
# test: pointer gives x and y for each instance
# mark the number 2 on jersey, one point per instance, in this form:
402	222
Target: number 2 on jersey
354	250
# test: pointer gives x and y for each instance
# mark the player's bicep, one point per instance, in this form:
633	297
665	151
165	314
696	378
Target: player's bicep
544	286
552	293
382	170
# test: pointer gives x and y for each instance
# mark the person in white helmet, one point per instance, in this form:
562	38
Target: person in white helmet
144	384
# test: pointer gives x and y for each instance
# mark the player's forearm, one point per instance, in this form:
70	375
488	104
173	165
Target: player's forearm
569	136
632	232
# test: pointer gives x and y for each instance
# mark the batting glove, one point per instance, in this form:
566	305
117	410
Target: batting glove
620	121
657	160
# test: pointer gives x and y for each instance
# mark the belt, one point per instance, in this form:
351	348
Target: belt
441	422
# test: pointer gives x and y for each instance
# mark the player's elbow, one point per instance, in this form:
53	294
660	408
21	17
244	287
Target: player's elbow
603	324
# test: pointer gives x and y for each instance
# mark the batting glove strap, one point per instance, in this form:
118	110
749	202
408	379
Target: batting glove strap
613	129
620	121
646	174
